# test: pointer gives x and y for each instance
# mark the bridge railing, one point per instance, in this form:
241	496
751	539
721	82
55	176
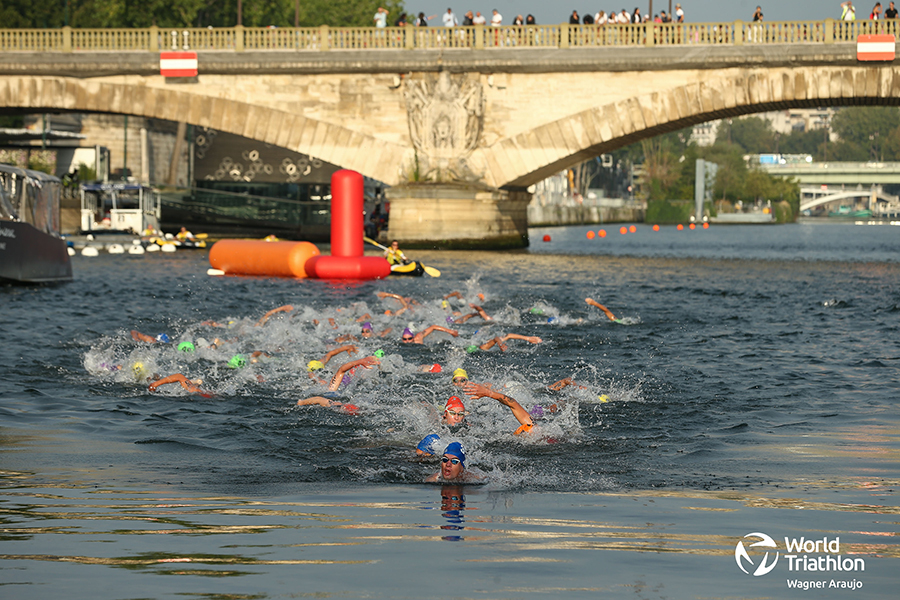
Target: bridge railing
240	38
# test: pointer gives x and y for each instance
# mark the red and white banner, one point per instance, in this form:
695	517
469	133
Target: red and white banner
178	64
875	47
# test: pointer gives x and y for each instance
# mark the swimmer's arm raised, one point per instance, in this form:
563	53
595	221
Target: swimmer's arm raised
265	317
476	390
365	362
349	349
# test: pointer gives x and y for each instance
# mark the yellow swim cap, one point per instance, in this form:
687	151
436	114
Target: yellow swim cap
460	373
139	370
315	365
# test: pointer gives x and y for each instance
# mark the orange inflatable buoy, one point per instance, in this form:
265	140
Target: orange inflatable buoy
692	226
706	226
590	235
680	227
632	229
623	230
267	259
602	233
546	238
656	228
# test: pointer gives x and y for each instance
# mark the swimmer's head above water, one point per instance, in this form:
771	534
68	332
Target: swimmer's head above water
454	411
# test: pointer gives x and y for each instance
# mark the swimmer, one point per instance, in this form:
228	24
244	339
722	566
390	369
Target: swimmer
344	407
368	332
453	467
460	296
312	367
479	312
476	390
143	337
265	317
419	338
500	342
347	369
349	349
403	301
460	377
567	381
605	310
191	385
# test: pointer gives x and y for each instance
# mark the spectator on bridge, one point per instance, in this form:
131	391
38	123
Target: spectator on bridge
891	12
679	14
422	20
519	20
876	12
380	17
468	19
574	19
450	19
848	13
600	18
664	17
624	17
636	16
401	20
587	19
479	19
529	20
758	14
496	19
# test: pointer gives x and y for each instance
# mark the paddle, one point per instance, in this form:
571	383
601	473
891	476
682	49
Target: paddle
430	270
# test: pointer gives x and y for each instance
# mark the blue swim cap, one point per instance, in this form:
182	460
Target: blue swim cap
456	449
162	338
428	443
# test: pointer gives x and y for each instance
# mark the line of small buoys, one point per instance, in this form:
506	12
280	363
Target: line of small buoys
631	229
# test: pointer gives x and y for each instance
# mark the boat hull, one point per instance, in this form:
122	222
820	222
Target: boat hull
31	256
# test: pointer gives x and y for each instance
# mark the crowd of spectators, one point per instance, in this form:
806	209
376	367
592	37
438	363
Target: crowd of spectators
495	19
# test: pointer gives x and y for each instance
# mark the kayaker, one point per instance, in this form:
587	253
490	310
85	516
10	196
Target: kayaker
394	255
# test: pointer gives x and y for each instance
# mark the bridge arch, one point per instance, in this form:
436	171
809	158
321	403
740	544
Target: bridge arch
520	160
131	95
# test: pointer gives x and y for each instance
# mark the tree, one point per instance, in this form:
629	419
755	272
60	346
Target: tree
20	14
753	135
864	131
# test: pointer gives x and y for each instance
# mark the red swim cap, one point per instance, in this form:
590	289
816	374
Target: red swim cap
454	403
349	409
435	368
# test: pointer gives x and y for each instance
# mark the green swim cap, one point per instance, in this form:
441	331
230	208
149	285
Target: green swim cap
237	361
472	349
537	311
185	347
379	353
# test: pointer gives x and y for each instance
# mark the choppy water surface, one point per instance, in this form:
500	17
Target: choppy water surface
751	386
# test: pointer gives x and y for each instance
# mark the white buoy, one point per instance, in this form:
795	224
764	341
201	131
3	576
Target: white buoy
136	242
89	251
136	250
168	248
115	249
70	250
152	248
215	272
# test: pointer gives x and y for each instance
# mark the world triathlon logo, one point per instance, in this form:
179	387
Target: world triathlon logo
741	556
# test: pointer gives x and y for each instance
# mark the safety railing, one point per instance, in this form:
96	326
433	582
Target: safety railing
323	38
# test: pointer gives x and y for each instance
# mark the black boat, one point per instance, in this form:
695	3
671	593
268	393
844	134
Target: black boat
31	249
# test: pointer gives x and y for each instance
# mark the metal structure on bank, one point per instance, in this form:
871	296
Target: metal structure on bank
317	39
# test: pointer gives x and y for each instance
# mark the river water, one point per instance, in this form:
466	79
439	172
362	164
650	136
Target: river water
750	386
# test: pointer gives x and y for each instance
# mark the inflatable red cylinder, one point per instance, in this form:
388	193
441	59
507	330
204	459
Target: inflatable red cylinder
347	220
266	259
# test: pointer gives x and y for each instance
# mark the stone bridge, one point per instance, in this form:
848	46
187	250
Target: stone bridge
460	133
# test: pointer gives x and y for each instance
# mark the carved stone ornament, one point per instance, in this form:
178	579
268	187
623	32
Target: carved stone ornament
446	116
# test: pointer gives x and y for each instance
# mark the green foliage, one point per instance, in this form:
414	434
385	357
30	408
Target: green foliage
865	132
26	14
669	211
752	135
12	121
784	213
